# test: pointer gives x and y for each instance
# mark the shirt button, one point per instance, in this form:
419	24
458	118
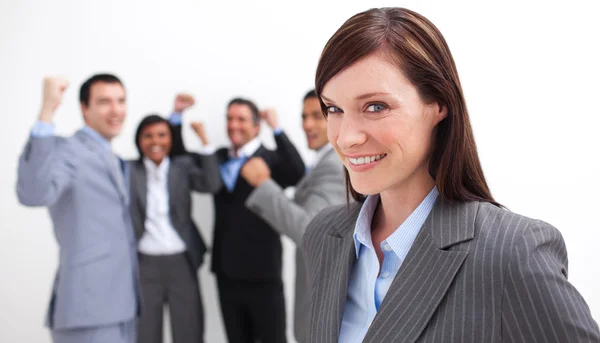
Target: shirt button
385	275
387	247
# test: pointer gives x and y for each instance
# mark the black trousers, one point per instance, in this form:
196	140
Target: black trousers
170	280
253	311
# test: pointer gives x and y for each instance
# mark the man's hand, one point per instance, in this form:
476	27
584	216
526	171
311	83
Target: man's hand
256	171
270	117
183	102
54	88
198	127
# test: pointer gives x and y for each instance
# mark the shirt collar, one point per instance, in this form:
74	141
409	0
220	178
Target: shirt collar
362	230
157	170
402	238
247	150
96	136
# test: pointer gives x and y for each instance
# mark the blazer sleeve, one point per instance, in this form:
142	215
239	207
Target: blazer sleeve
290	166
203	171
46	170
539	303
177	145
288	217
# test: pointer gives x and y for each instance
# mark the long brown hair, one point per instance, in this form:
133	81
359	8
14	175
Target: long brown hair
418	48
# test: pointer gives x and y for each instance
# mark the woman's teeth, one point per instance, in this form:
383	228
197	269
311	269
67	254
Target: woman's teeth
366	159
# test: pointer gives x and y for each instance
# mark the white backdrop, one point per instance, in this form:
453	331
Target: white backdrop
530	74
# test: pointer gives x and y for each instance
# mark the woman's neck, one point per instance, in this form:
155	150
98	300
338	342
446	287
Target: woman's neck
397	204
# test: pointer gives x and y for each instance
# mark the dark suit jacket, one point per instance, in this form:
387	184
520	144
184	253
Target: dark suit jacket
475	273
245	246
187	172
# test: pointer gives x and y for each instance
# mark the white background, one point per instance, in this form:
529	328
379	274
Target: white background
529	71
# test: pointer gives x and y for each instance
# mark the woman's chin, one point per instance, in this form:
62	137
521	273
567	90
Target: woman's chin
365	187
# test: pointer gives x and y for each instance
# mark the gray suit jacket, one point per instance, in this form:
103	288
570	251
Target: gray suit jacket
320	188
189	172
475	273
96	282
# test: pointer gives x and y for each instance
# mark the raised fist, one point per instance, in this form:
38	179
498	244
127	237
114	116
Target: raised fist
255	171
54	88
270	117
198	127
182	102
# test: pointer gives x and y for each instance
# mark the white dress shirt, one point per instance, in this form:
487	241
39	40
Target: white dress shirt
160	237
247	150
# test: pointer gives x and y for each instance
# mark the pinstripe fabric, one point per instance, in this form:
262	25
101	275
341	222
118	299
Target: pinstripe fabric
370	280
475	273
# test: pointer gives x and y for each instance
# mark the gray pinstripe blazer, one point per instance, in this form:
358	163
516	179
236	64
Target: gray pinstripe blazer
475	273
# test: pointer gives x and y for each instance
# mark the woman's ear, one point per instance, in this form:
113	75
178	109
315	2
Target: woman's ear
440	112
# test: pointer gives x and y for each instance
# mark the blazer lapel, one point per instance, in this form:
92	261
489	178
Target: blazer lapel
141	186
340	247
173	176
315	170
258	153
106	156
425	276
114	170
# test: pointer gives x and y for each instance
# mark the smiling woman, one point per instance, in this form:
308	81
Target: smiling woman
170	248
425	254
153	138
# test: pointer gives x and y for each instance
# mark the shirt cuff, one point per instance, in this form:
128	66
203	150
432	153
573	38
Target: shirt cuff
277	131
208	149
176	119
42	129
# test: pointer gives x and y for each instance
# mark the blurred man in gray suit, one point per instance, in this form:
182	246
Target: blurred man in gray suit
321	187
95	292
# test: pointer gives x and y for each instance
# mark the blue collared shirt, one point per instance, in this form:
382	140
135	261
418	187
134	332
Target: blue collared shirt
230	169
97	137
42	129
366	289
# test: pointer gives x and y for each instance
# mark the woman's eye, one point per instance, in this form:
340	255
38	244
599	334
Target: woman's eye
376	108
333	109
